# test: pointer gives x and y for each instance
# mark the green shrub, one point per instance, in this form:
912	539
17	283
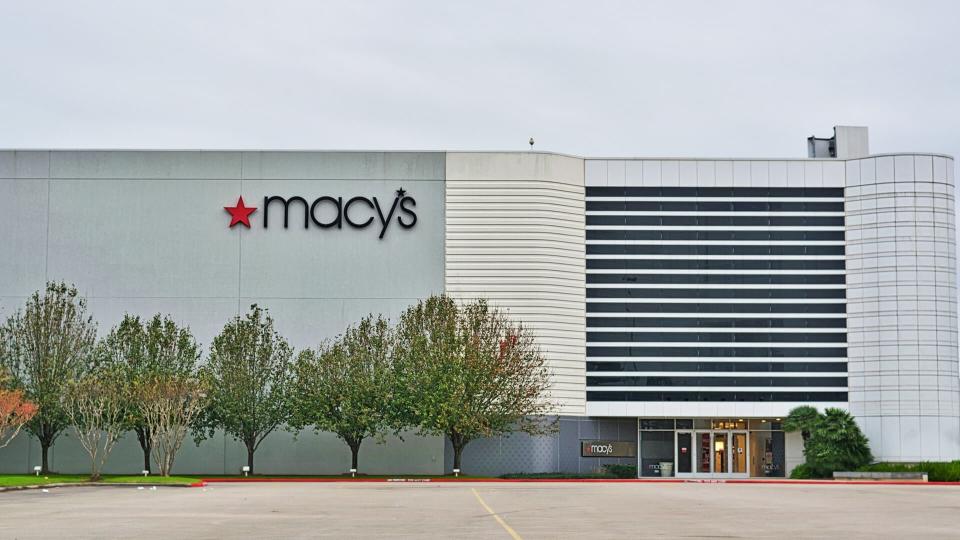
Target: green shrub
937	471
621	471
802	472
556	475
608	471
836	444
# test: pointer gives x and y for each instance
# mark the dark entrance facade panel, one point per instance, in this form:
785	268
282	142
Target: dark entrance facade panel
711	448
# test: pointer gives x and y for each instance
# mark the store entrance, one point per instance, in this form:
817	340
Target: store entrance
712	454
711	447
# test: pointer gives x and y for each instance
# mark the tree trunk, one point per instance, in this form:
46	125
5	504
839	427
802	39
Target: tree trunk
46	435
457	454
459	442
165	463
250	450
145	444
146	459
354	453
44	452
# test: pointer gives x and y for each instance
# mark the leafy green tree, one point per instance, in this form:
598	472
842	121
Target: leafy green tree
145	351
248	377
836	444
468	371
96	405
347	387
803	419
44	347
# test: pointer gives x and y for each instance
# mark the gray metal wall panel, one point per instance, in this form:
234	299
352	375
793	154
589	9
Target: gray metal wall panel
31	164
348	263
515	453
145	232
145	164
344	165
8	165
556	452
128	238
23	226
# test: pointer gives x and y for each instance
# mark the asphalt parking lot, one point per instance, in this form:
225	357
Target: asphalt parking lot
486	510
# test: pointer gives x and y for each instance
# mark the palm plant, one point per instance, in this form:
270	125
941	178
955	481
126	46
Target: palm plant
803	419
837	444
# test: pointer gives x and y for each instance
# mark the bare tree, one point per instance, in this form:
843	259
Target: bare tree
44	347
168	406
97	407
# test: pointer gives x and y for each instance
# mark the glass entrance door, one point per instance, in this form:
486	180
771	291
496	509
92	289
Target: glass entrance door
685	452
704	440
721	453
712	454
739	457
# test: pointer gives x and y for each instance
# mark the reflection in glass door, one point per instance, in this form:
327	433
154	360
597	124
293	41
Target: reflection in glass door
720	453
738	453
704	453
684	452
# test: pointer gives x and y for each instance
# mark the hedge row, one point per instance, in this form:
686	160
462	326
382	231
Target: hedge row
937	471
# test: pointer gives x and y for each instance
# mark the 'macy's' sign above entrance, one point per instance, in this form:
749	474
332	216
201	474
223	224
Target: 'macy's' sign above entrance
608	449
328	212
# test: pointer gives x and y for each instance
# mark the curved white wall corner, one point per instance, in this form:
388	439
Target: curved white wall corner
902	305
515	235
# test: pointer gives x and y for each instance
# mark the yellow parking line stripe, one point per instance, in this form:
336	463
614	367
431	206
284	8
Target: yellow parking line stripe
499	519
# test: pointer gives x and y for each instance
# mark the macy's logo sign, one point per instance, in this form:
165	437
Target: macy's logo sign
328	212
601	448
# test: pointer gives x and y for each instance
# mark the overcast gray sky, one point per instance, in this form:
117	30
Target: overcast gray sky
589	78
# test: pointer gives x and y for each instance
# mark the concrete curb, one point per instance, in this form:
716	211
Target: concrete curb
580	480
96	484
255	480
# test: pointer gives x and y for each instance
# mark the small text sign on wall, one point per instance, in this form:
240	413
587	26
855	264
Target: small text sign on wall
608	449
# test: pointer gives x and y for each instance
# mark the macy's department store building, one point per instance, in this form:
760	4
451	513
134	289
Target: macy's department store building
684	305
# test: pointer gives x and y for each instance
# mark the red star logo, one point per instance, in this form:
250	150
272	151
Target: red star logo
240	213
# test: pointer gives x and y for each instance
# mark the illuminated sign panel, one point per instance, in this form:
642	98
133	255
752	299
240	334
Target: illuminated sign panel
608	449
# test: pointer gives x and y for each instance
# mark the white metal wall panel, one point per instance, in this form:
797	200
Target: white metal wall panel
515	235
902	305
